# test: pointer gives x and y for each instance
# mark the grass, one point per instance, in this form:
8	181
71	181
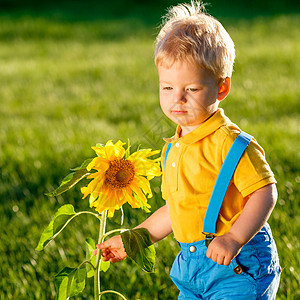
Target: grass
70	80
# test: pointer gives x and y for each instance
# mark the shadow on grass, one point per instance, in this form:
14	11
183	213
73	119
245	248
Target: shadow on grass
114	20
149	11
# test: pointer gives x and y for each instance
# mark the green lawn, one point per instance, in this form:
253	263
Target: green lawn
78	73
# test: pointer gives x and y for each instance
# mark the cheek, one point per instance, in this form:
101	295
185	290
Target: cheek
163	106
163	101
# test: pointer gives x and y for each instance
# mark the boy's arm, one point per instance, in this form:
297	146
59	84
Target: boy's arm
158	226
253	217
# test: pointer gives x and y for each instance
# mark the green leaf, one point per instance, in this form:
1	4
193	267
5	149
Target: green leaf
139	248
104	265
83	165
90	247
69	282
71	179
62	216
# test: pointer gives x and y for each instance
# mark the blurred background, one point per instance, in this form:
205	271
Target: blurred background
77	73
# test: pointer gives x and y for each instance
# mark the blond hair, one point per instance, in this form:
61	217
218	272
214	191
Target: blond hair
190	34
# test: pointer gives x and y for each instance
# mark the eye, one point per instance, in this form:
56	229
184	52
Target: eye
167	88
192	90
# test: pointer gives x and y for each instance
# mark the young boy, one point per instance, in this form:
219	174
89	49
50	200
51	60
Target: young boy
194	58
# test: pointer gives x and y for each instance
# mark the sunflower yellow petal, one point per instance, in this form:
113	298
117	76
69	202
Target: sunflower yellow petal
114	151
84	191
116	180
99	151
111	213
131	200
93	197
143	154
101	164
144	184
91	164
139	193
147	168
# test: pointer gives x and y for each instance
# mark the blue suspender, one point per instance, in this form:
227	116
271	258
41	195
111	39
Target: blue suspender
166	156
229	165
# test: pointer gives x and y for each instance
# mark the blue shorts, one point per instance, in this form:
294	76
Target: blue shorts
198	277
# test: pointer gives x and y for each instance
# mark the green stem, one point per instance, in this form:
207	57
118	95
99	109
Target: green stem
86	262
113	292
97	289
74	216
89	212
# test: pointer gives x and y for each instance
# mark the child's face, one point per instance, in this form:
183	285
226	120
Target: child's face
188	94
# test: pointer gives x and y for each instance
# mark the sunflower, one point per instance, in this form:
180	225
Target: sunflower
120	177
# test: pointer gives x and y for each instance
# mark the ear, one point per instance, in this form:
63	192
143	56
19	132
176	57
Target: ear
224	89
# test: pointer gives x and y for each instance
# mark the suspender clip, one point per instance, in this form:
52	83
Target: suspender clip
208	238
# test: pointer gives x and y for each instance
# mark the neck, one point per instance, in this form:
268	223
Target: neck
188	129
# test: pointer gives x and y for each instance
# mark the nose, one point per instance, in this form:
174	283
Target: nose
180	97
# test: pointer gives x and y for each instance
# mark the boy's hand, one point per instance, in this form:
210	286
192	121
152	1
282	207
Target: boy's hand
223	249
113	249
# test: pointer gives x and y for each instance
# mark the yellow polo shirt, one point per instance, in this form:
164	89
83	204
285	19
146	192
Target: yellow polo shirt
192	167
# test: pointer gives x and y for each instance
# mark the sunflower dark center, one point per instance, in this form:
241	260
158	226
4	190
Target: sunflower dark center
119	174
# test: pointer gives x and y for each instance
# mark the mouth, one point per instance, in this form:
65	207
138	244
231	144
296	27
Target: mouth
178	112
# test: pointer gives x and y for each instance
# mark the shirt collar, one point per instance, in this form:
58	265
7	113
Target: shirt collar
217	120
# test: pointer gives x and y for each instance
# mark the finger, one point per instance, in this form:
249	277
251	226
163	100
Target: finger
105	258
102	246
208	252
105	252
227	261
108	257
220	260
212	256
116	259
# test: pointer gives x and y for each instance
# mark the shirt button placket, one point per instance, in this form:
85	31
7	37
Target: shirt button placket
173	163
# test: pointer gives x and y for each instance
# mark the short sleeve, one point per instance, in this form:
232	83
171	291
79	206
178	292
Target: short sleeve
253	172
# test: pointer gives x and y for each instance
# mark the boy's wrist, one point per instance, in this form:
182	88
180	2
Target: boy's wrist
237	238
